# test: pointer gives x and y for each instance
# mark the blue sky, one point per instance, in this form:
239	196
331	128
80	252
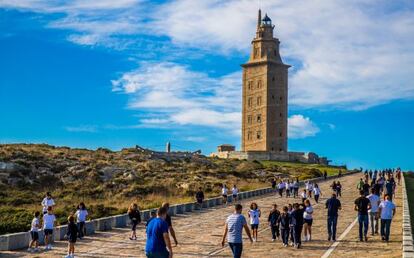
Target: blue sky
119	73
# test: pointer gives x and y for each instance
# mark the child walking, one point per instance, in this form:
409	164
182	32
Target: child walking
274	222
284	221
48	225
72	234
254	215
135	217
34	233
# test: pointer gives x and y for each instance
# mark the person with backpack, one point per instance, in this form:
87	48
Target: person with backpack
284	222
199	198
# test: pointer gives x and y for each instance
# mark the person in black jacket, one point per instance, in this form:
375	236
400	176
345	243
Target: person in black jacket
200	198
135	217
284	222
274	222
296	223
71	235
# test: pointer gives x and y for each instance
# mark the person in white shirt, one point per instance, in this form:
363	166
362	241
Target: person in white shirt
387	212
287	188
235	193
48	225
81	214
296	188
309	188
373	212
254	214
281	187
316	193
47	202
304	195
224	192
307	220
34	233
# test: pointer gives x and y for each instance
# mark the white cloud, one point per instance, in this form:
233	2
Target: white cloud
82	128
352	54
301	127
197	139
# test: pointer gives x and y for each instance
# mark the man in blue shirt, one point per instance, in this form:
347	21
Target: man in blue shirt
158	239
387	212
333	205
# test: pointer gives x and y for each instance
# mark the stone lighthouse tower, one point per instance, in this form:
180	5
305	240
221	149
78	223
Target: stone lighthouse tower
265	93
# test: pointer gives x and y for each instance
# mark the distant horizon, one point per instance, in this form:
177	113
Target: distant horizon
113	74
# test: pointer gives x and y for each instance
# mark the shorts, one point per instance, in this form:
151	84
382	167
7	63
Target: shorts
234	195
199	201
48	231
308	221
34	235
254	226
224	196
72	239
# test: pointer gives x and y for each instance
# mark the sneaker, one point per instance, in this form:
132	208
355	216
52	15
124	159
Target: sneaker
46	248
285	245
30	250
36	249
50	247
68	256
273	239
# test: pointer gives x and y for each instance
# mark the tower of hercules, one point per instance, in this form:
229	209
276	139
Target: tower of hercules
265	93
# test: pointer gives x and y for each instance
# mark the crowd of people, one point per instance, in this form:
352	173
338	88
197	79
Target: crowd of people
290	225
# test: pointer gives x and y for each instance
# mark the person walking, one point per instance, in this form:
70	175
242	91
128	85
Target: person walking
200	198
374	199
316	192
296	188
281	187
158	244
224	193
235	193
135	217
296	223
332	205
307	220
398	176
34	233
304	195
338	189
389	188
387	212
366	187
309	188
254	214
273	220
71	235
166	205
284	221
325	175
48	225
81	214
287	187
273	183
362	205
360	184
233	231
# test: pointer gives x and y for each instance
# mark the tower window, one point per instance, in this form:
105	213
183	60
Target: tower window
275	53
273	79
249	119
256	52
259	101
273	96
280	115
259	118
281	98
280	134
259	84
249	135
249	102
249	85
259	135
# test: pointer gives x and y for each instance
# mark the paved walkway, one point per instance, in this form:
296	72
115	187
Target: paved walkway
199	234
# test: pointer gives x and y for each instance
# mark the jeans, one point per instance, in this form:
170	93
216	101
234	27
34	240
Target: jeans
237	249
373	220
316	198
275	231
332	221
385	228
297	232
81	228
164	254
285	235
363	225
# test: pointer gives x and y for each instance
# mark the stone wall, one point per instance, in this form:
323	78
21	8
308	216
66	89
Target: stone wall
408	250
21	240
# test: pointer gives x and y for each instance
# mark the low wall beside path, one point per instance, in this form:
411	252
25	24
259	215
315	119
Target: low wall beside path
21	240
408	249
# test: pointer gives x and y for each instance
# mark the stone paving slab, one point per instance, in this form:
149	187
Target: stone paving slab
199	233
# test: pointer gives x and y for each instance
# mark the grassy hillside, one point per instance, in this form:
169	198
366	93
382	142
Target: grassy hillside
409	182
108	181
